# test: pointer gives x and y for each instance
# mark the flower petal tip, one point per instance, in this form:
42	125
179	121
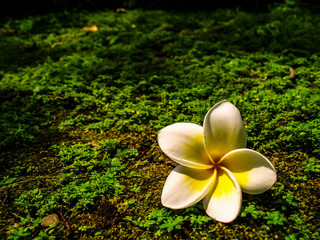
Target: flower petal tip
223	130
183	143
254	172
224	201
186	186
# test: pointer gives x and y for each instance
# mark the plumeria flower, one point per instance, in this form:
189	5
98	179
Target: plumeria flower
214	164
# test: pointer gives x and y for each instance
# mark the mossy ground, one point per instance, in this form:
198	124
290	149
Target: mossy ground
81	106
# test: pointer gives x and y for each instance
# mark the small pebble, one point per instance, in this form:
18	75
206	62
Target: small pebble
50	219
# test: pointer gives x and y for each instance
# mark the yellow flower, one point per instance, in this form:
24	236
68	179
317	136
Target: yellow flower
214	164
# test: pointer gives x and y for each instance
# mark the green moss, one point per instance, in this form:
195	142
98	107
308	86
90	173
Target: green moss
80	112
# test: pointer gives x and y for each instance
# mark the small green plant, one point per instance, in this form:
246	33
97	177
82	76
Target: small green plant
302	228
164	220
31	202
7	180
299	178
19	233
311	165
171	224
198	220
275	218
28	226
251	209
160	221
17	170
135	189
290	200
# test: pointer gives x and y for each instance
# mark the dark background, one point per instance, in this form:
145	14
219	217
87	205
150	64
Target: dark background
15	8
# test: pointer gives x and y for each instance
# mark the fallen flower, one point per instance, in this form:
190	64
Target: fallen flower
214	164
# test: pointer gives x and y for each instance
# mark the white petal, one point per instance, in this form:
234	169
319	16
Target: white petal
186	186
223	202
254	172
223	130
183	143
